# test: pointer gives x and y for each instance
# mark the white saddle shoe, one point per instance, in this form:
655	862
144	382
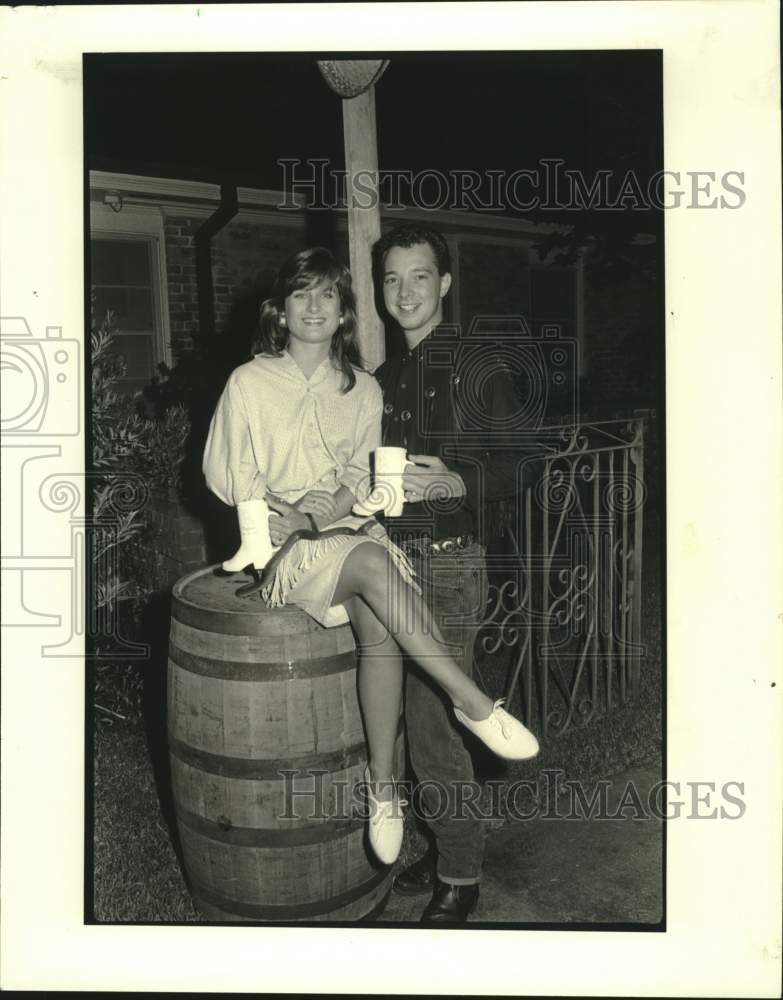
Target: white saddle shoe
502	733
386	825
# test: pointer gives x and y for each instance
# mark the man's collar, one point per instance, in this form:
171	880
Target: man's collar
445	330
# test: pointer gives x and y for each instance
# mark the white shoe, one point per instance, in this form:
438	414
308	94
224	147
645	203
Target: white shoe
256	547
502	733
386	824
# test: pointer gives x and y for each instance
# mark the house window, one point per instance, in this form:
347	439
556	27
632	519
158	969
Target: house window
123	273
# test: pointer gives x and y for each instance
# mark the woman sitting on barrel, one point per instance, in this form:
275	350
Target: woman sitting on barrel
293	431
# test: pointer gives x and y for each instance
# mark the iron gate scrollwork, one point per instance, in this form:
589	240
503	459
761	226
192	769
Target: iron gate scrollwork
565	601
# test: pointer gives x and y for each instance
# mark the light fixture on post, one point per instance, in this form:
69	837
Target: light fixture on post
351	77
113	199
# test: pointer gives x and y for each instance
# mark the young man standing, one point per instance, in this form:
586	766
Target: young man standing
439	530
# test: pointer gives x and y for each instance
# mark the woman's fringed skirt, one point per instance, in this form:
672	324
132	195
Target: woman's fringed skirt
307	575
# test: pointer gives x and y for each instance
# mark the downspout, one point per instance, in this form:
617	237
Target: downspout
223	214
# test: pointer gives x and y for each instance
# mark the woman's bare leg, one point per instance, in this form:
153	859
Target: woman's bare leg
380	692
369	573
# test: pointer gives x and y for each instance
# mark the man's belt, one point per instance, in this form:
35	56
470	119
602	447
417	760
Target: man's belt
444	546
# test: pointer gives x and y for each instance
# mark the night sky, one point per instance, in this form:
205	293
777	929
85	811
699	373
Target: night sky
231	117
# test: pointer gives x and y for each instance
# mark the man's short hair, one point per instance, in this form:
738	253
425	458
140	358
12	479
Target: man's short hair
411	234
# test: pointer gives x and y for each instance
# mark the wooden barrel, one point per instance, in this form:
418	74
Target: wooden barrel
266	744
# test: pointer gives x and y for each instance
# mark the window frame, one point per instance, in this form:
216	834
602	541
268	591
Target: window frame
139	222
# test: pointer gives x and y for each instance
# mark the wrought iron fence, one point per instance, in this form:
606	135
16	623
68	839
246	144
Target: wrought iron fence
565	599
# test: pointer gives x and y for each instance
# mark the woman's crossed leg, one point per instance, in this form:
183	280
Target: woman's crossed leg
388	615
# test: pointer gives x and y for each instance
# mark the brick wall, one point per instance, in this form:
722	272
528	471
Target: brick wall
182	287
245	259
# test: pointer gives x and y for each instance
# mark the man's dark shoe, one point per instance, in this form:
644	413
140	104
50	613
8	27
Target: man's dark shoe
450	904
418	878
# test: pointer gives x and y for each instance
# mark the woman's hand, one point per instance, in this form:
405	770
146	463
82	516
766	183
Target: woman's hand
319	503
285	521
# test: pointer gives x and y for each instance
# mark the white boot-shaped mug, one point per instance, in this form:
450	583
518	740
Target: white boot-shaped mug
256	547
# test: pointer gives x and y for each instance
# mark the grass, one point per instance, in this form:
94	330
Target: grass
136	872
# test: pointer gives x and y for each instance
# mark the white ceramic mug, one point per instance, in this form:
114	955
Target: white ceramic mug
390	464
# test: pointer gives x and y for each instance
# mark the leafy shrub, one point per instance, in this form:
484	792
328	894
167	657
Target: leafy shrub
132	455
126	438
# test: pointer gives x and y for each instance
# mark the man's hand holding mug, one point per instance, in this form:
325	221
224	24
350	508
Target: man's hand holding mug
431	479
400	477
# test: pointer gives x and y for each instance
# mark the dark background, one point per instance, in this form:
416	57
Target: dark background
215	116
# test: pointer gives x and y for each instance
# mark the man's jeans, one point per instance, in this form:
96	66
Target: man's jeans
455	588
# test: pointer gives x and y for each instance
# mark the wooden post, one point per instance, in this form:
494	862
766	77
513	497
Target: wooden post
364	217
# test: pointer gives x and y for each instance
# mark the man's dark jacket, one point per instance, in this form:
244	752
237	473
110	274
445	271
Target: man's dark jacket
456	401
